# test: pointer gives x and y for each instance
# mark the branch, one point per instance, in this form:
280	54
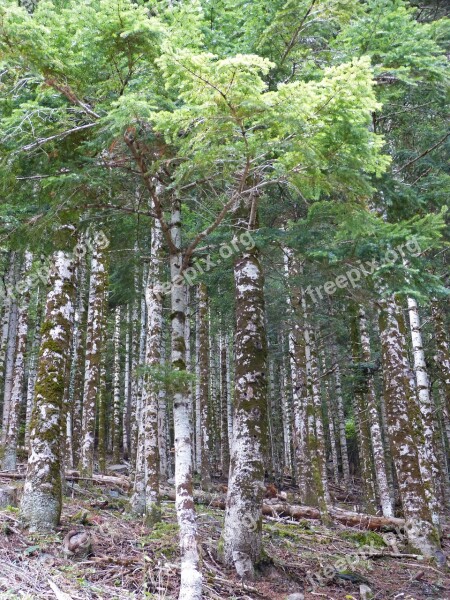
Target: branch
201	236
125	209
42	141
436	145
131	143
66	91
294	37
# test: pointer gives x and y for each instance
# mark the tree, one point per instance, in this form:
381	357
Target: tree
41	501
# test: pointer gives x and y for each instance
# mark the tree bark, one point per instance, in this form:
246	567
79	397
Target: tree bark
146	492
9	362
42	496
426	407
191	578
341	417
97	285
374	423
116	388
242	539
443	351
225	444
400	415
9	462
203	390
362	419
32	366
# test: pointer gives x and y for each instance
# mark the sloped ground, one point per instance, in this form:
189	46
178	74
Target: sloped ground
129	560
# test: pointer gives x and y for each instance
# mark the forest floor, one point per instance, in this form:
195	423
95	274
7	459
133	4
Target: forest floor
129	560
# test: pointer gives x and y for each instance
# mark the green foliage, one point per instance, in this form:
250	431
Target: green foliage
163	377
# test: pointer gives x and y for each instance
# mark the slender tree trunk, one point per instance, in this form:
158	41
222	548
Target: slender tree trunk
375	429
443	351
126	414
243	518
191	578
9	366
162	425
198	390
116	388
230	391
32	367
203	378
225	444
400	415
316	431
286	416
102	408
341	418
134	387
42	495
97	285
300	392
147	481
6	317
362	420
411	387
330	414
426	407
10	456
76	377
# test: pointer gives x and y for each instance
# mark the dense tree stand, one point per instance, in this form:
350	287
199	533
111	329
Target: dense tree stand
243	217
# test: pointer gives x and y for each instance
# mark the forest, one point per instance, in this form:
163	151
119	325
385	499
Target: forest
224	350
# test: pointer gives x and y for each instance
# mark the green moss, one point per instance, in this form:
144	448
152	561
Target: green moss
364	538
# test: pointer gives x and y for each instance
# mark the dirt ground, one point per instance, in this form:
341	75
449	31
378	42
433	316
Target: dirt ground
129	560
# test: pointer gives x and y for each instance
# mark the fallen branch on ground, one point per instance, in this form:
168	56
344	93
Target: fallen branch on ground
298	513
75	476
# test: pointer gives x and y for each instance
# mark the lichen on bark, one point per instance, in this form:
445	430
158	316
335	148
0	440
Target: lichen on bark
42	497
242	541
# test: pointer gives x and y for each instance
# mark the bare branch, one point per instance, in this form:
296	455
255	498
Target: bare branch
42	141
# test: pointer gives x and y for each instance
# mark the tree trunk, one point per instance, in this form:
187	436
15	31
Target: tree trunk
9	365
300	395
400	415
374	423
116	388
316	432
9	462
32	366
443	351
6	317
330	414
147	481
426	407
191	578
243	517
126	414
286	414
225	444
362	420
203	390
42	496
162	426
97	285
341	418
76	376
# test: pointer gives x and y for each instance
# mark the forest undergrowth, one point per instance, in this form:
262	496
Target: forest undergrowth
120	558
